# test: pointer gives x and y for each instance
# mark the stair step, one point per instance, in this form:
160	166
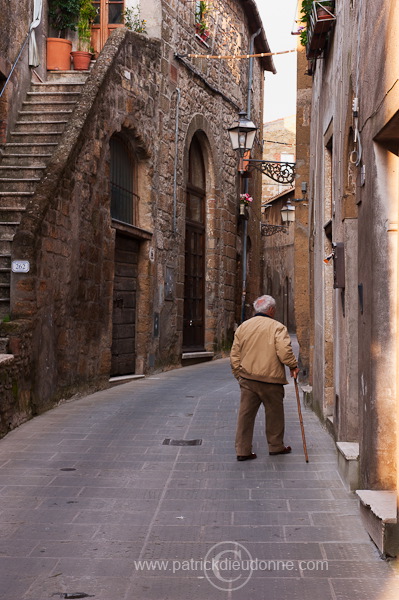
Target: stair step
8	229
55	93
23	161
39	127
30	138
23	172
18	185
58	122
5	277
5	247
4	292
11	214
25	116
5	261
15	194
42	106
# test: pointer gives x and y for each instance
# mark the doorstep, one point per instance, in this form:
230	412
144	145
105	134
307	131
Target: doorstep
6	359
348	464
193	358
124	379
378	510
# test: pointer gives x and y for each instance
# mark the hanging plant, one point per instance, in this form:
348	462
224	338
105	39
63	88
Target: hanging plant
306	9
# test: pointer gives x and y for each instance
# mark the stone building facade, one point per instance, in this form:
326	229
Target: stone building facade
278	248
353	197
121	287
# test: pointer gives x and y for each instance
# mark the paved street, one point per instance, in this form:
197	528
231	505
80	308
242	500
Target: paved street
89	488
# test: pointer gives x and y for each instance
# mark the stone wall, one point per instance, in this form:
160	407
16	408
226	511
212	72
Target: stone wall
141	89
16	375
14	29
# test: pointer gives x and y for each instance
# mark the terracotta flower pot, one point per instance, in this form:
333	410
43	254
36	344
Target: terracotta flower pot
58	54
81	60
322	13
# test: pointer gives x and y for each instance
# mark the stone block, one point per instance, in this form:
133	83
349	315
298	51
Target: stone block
378	510
348	464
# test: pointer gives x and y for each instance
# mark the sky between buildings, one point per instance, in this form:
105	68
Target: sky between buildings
280	90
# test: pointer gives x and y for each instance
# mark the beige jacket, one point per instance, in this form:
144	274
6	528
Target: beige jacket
261	348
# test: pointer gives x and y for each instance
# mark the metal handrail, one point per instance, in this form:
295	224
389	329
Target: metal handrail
15	64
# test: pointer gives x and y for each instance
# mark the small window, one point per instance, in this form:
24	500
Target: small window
123	182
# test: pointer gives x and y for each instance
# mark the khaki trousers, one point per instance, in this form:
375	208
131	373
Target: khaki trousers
253	394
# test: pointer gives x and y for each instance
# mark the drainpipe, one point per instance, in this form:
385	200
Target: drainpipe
245	232
175	165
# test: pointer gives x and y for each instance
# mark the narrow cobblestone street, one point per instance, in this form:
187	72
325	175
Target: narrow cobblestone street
88	489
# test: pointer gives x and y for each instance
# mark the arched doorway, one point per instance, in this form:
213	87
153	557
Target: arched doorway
194	276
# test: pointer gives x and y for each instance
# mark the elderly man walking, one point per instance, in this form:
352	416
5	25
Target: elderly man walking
261	348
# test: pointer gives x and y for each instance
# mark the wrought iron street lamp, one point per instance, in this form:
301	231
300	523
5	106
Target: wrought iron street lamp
242	135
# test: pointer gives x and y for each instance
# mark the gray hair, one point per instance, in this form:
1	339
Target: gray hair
264	304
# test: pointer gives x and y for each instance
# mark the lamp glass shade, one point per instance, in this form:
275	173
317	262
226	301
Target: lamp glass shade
242	136
288	213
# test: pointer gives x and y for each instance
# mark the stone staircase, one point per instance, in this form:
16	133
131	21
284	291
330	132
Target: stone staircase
37	132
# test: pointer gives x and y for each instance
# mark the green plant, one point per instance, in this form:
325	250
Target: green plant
63	15
201	12
87	14
133	20
306	10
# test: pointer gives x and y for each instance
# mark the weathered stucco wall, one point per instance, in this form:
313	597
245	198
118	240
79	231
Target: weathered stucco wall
356	327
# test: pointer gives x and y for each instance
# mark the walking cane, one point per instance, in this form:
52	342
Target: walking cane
301	421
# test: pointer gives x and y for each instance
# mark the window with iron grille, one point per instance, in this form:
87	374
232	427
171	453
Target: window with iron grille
123	182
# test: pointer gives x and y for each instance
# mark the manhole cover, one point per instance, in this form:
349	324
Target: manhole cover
169	442
74	595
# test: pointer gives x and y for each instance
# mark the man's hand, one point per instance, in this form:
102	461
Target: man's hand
294	372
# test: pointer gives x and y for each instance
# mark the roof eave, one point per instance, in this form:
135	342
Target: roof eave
261	43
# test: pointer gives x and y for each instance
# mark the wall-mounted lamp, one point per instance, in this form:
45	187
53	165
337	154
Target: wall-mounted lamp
288	213
242	135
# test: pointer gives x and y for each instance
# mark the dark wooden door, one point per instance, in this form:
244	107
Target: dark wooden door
193	323
124	309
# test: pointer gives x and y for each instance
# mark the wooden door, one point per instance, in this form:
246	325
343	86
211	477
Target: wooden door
109	17
124	309
194	276
193	324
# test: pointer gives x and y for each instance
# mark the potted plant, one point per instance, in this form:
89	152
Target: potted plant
323	10
133	20
82	56
63	16
201	25
245	200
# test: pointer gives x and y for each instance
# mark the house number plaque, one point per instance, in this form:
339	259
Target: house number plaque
20	266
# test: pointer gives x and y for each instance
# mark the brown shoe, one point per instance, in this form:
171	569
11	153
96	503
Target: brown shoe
249	457
286	450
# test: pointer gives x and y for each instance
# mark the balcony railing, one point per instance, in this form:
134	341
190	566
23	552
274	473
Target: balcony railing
321	23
